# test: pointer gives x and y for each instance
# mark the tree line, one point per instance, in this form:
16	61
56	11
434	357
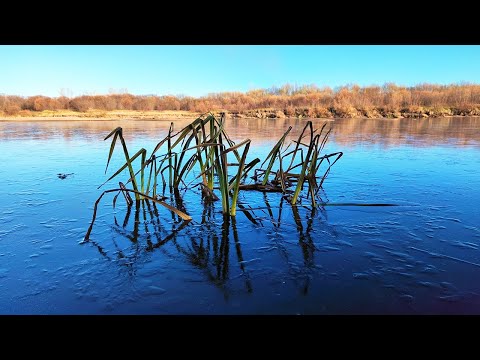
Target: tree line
287	98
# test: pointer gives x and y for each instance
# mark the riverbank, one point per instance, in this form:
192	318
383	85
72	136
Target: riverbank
366	112
272	113
52	115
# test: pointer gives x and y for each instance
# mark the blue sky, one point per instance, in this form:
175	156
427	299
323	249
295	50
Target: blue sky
199	70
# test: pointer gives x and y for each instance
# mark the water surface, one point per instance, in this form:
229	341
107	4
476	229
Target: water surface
420	257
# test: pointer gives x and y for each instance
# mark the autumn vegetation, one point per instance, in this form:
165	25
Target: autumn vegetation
388	101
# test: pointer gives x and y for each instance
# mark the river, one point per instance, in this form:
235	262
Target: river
421	256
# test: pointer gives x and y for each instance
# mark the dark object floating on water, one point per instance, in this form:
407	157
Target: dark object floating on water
63	176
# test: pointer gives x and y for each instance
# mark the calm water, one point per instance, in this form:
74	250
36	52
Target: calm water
420	257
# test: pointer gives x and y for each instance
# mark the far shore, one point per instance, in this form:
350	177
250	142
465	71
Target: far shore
98	115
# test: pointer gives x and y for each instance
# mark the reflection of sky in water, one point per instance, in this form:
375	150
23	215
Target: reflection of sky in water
418	257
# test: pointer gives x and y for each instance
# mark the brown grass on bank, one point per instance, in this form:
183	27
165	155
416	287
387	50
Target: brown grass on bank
388	100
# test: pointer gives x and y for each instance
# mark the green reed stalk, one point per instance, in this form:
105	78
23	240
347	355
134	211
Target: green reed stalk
273	155
301	178
169	146
241	164
118	134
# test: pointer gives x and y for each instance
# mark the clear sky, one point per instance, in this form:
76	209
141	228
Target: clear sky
199	70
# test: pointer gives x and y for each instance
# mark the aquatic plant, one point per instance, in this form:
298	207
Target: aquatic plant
221	166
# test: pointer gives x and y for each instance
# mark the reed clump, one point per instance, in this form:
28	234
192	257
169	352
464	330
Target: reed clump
221	167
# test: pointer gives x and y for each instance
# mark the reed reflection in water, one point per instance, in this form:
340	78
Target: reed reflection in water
207	244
